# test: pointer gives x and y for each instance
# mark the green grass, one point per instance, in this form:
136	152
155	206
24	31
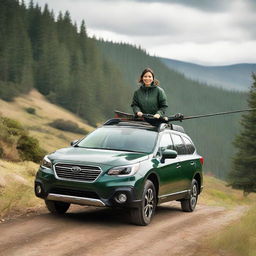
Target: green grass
216	193
239	239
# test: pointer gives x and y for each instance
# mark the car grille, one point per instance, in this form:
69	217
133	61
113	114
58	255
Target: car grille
74	192
77	172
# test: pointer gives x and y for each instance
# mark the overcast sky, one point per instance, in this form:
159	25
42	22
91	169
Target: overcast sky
211	32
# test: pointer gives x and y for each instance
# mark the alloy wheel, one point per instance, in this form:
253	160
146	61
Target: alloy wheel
193	198
149	203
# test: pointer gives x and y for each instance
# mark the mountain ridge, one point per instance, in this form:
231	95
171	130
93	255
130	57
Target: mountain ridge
229	77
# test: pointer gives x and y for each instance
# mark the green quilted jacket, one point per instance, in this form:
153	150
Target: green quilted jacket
149	100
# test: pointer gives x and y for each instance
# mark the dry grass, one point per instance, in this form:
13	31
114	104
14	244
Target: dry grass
50	138
217	193
17	178
239	239
45	111
17	187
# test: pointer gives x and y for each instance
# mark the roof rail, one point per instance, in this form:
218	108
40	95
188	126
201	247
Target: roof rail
162	126
112	121
136	122
125	122
177	128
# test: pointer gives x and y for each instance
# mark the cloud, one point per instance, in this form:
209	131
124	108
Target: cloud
216	53
157	22
205	5
160	25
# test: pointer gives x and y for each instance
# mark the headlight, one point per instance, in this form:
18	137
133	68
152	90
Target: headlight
124	170
46	163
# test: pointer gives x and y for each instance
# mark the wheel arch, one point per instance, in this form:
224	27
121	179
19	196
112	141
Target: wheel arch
198	178
153	177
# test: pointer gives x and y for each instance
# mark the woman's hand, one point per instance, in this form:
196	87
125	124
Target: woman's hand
139	114
156	116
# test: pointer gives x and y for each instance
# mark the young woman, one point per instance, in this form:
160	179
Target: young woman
149	98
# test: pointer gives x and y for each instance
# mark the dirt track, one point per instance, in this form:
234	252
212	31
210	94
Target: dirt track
96	231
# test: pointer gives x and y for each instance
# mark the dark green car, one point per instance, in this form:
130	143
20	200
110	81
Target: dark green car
126	164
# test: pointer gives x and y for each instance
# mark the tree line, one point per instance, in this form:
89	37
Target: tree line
53	55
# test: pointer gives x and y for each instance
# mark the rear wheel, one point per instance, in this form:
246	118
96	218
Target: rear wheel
144	213
188	205
57	207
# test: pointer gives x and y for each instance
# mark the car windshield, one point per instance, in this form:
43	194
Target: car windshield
123	139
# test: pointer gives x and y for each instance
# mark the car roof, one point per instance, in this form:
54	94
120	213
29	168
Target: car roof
118	122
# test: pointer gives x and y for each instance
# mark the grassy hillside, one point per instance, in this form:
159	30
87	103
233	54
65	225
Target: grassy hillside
17	178
217	193
38	123
237	239
16	188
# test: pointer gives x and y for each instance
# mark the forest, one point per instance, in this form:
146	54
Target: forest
93	77
56	57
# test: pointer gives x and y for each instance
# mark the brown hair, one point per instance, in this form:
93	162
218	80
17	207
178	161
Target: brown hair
155	81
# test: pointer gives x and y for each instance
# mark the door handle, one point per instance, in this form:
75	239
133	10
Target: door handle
178	165
192	163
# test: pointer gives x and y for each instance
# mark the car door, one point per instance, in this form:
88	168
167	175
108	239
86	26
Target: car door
169	170
187	163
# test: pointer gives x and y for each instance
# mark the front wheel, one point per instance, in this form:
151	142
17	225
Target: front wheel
188	205
144	213
57	207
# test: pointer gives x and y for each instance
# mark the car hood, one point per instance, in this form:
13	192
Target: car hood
99	157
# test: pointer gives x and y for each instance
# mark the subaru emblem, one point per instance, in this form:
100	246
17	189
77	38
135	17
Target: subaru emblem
76	169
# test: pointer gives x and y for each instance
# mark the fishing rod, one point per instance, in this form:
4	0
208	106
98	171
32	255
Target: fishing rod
180	117
177	117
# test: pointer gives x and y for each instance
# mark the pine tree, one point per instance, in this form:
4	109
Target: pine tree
243	174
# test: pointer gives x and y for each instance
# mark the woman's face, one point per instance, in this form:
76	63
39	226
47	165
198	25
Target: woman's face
147	79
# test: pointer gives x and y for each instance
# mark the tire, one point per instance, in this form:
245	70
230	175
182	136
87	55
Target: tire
143	214
57	208
189	205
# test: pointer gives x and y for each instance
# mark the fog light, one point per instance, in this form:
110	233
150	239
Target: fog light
121	198
38	189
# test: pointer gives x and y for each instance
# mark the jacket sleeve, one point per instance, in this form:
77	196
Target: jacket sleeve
135	103
162	102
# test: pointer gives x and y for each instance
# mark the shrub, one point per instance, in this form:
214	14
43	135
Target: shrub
13	126
29	149
31	111
66	125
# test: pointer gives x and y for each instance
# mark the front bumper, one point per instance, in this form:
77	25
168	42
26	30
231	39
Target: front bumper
102	193
75	200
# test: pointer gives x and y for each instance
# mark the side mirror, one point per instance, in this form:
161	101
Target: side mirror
73	142
168	154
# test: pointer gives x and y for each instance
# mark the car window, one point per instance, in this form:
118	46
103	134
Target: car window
166	141
190	147
178	144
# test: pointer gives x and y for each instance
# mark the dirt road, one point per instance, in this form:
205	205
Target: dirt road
96	231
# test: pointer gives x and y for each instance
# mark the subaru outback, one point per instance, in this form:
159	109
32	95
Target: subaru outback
127	164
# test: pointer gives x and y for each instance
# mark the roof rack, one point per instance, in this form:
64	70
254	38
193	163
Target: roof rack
130	122
141	123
